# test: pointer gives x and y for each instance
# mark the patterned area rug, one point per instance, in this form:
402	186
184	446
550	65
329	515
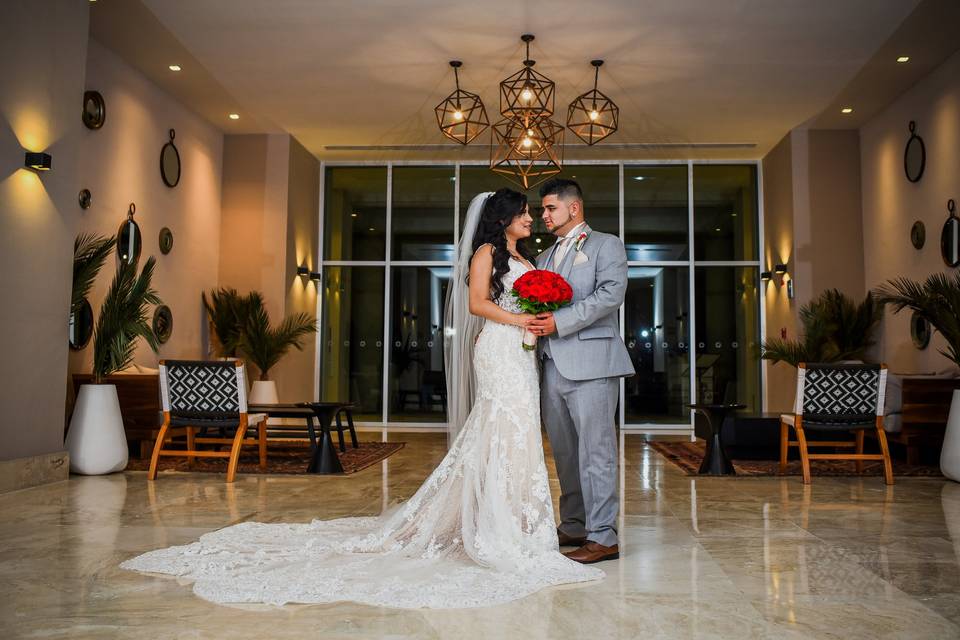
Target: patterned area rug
291	458
689	455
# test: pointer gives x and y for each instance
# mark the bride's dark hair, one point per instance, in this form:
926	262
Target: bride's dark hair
498	212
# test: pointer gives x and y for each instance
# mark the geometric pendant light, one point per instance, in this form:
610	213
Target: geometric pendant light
527	95
527	154
461	116
593	116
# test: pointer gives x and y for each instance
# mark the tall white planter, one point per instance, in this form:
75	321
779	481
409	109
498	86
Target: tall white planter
96	440
950	454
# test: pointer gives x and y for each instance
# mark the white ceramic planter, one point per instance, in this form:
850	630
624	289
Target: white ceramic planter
263	392
96	440
950	454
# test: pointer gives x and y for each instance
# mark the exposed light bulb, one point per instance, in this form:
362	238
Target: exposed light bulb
458	115
527	142
594	115
530	132
526	95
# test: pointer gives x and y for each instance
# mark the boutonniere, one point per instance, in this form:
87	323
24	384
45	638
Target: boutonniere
580	240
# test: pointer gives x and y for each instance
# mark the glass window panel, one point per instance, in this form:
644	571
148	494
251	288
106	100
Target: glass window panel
355	213
417	389
725	212
655	212
352	339
728	335
422	224
657	334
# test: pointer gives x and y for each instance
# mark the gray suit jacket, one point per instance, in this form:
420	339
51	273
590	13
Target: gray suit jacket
587	344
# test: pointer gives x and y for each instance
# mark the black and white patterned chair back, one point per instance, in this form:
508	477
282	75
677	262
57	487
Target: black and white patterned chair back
840	393
203	389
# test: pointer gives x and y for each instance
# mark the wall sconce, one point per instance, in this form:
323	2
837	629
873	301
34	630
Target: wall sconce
766	276
315	276
38	161
779	269
303	272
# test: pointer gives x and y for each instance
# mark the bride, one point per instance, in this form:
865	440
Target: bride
480	530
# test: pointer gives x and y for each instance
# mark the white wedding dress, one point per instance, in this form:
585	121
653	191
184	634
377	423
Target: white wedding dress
479	531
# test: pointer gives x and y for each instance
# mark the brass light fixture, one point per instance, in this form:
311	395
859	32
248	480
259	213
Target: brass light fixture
527	95
593	116
527	154
461	116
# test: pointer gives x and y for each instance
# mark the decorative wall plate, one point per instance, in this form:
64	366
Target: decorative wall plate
94	110
166	240
918	234
85	198
162	323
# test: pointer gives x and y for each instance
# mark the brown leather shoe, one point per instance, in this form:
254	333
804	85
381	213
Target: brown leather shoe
592	552
570	541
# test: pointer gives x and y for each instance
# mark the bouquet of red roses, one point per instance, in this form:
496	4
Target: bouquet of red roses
538	291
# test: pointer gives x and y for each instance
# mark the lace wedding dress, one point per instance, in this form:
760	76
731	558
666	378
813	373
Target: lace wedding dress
479	531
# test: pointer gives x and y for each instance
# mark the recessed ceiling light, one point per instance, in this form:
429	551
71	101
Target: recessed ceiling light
234	116
174	67
639	177
372	229
354	215
902	59
717	229
846	110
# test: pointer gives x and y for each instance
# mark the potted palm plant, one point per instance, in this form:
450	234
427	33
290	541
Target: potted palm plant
835	328
96	439
226	314
936	299
264	345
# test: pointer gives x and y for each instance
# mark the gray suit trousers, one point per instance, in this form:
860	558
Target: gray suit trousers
579	417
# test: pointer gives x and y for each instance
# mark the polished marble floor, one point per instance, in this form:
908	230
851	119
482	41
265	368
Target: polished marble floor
703	558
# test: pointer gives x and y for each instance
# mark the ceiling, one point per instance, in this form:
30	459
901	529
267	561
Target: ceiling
692	78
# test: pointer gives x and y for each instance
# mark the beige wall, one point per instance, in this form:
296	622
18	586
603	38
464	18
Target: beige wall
269	227
121	165
812	223
891	203
40	101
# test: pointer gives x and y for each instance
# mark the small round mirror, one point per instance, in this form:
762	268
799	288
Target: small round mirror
170	162
84	198
81	326
919	331
128	239
162	323
94	110
915	155
950	237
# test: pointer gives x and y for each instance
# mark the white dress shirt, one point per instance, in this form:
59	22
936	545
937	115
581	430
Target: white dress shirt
564	244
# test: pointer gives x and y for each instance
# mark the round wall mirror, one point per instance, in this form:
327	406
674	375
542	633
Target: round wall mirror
170	162
919	331
918	234
81	326
914	156
162	323
950	237
94	110
84	198
129	242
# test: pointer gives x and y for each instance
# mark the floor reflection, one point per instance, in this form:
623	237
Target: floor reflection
702	557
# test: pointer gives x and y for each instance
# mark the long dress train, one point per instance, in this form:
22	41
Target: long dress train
479	531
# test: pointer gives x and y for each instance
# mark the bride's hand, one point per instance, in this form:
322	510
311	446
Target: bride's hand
524	319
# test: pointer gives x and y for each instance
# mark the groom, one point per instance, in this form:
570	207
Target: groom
583	359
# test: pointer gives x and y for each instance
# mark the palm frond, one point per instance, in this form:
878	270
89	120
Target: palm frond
833	328
226	315
265	345
124	318
89	253
937	299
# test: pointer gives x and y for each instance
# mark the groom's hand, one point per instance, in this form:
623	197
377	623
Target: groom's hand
544	325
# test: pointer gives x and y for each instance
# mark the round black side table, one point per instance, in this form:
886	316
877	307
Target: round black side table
715	461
